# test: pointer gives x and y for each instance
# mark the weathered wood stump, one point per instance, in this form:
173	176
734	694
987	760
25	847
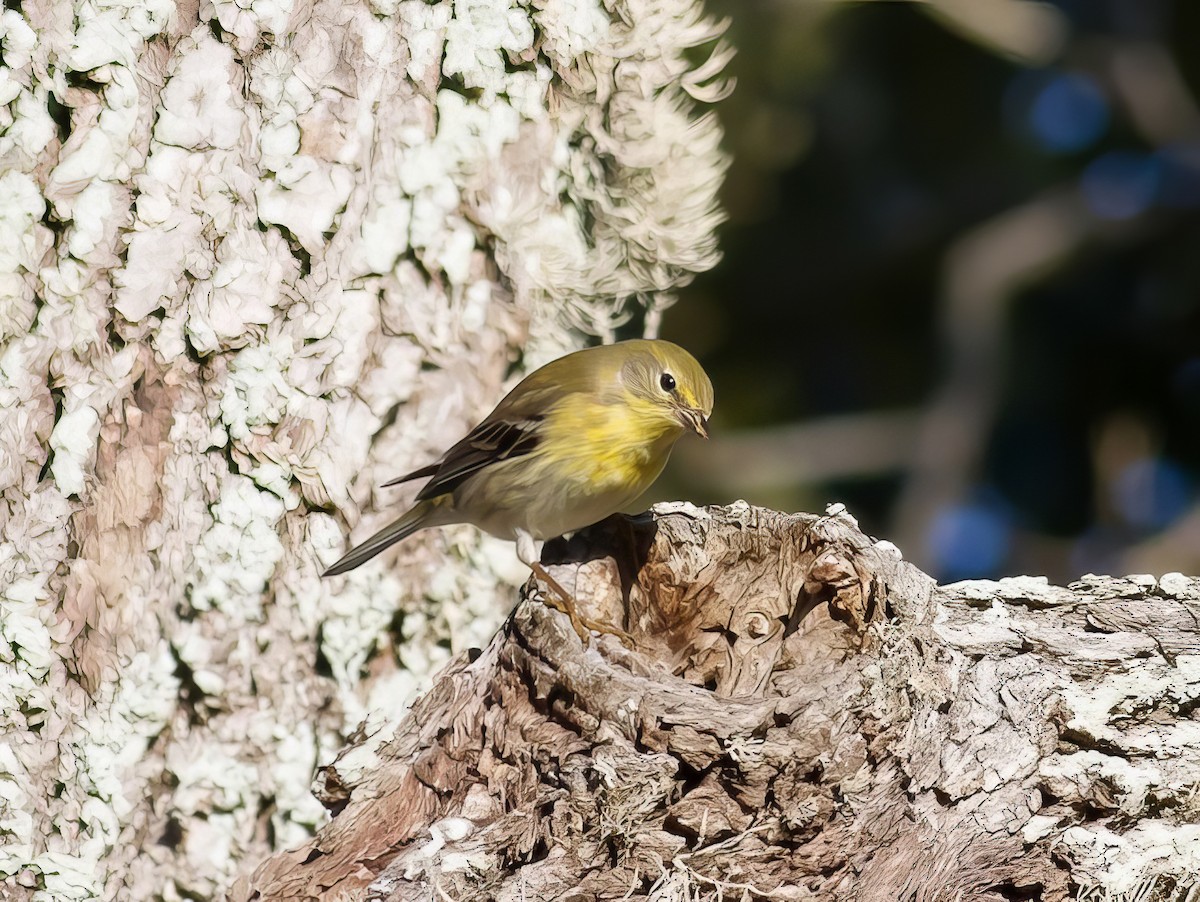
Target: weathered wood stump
903	740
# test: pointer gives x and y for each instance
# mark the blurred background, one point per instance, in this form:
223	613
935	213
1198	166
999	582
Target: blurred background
961	284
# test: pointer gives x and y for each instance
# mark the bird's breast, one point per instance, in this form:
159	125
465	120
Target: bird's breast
592	461
613	449
606	459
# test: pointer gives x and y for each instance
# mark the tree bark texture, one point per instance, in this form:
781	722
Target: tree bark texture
256	258
903	741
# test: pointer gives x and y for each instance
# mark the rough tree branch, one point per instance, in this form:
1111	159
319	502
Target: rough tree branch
904	741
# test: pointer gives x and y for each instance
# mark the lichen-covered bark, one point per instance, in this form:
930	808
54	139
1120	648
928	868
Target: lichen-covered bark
255	258
978	741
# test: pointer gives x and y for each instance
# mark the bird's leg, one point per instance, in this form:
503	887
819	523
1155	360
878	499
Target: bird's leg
566	604
561	600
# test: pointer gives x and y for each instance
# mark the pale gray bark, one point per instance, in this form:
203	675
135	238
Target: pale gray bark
909	741
255	259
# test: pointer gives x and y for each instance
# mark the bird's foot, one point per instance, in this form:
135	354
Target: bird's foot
560	599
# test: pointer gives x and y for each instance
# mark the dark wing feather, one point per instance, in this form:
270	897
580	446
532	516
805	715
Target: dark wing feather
415	474
492	441
511	430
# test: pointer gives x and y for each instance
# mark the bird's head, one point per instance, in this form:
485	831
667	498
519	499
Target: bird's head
669	384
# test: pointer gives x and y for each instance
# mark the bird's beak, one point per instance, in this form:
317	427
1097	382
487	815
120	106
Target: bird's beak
695	421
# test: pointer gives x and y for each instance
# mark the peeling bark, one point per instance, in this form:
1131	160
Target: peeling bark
989	741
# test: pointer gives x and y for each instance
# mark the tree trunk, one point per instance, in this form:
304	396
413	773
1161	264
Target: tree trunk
907	741
255	259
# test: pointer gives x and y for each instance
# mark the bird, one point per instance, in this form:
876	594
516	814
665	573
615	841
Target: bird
575	441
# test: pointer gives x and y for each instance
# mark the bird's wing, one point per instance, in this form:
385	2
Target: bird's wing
495	439
415	474
512	430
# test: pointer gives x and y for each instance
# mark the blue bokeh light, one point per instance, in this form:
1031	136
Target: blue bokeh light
1069	113
1121	184
1151	492
970	540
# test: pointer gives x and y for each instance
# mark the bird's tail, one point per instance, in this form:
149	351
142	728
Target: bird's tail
420	516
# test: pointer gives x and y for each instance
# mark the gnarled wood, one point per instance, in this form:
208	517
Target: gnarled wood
978	741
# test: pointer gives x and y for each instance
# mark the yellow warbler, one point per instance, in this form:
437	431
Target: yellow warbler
573	443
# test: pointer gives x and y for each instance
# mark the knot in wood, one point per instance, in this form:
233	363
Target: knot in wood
832	568
756	625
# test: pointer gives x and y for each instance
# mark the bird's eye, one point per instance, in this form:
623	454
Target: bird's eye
667	382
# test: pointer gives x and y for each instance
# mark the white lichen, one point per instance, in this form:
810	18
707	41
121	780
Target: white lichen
274	260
